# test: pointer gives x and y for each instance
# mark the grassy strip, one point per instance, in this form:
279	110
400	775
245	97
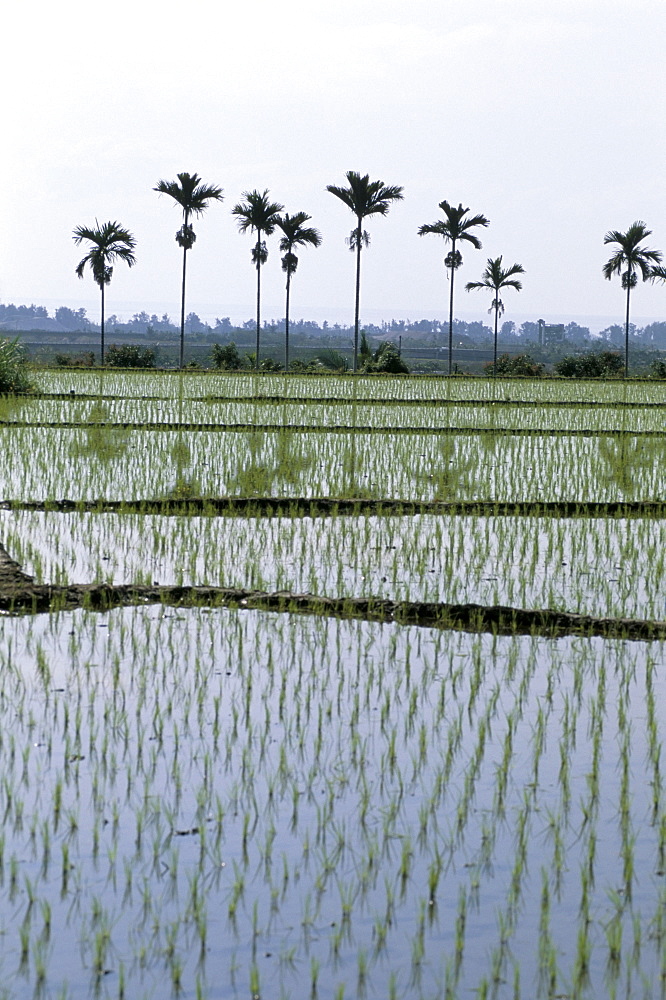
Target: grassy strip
497	620
331	507
350	400
334	429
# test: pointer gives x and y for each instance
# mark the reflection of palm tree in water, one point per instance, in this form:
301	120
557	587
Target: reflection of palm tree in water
449	476
624	456
268	470
186	485
105	443
351	486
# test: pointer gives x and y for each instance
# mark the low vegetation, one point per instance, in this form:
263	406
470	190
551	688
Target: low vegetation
14	372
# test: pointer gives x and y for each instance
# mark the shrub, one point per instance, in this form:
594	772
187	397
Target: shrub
84	360
226	358
658	368
14	375
386	360
265	365
332	360
515	364
130	356
600	364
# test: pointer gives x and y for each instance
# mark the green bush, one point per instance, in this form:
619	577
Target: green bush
515	364
658	368
599	364
130	356
386	360
84	360
332	360
226	358
265	365
14	376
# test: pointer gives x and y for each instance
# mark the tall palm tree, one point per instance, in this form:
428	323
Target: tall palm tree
630	258
193	196
454	228
295	234
496	278
363	197
108	243
259	215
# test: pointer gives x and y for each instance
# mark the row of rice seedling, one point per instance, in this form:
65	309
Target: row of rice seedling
226	803
165	385
85	464
498	416
601	567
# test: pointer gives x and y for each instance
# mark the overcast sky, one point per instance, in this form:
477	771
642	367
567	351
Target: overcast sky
546	117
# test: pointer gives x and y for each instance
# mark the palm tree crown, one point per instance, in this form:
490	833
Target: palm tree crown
193	196
257	213
629	259
109	243
295	233
363	197
496	278
190	193
260	215
454	228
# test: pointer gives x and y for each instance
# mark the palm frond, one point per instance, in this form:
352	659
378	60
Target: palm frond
455	225
365	197
353	239
495	277
190	193
630	256
257	213
296	233
109	242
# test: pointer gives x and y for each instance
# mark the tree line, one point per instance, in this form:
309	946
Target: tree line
110	243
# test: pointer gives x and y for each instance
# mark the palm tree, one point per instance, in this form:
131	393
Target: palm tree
496	278
108	243
363	197
628	259
295	234
454	228
259	215
193	197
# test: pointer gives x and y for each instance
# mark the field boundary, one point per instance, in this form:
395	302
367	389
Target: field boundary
353	506
25	597
363	400
163	425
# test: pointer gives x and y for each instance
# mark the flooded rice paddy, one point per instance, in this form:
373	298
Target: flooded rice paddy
210	802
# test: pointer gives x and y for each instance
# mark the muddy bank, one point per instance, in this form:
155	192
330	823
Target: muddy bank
18	595
353	506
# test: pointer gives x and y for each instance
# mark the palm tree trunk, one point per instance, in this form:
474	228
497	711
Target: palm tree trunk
102	328
182	295
453	270
286	325
358	293
626	331
256	350
495	344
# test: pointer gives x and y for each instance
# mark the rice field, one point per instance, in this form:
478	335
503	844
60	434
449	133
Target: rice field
205	801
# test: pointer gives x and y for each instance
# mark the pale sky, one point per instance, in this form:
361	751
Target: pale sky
546	117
